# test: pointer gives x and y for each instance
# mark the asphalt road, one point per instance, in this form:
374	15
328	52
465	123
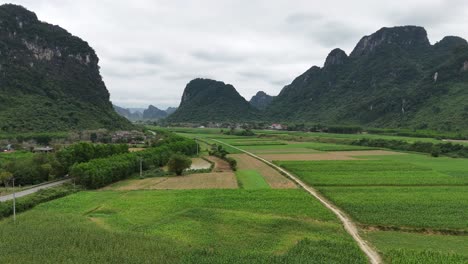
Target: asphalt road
348	224
33	190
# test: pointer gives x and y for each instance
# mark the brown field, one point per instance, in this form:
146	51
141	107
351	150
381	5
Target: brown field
220	165
271	176
222	177
335	155
216	180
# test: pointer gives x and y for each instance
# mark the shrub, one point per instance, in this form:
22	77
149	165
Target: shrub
178	163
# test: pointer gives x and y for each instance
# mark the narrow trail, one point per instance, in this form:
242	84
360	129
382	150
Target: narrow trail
348	224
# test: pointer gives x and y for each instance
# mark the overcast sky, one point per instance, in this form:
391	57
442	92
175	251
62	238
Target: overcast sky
150	49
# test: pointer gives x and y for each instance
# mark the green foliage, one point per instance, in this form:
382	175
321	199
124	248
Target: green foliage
84	152
178	163
30	201
448	149
98	173
220	152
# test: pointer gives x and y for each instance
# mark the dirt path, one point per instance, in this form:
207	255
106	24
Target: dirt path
348	224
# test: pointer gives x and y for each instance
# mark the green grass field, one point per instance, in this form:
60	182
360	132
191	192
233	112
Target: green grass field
251	179
209	226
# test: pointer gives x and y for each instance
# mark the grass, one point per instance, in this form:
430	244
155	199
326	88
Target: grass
369	172
402	247
438	208
210	226
251	179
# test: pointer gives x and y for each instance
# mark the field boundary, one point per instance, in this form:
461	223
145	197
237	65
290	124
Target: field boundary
348	224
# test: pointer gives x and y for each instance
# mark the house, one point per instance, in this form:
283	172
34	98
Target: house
43	149
8	148
276	126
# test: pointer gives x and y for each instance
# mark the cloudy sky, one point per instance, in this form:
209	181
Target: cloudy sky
150	49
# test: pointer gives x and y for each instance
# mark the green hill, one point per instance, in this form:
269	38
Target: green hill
50	79
393	78
207	100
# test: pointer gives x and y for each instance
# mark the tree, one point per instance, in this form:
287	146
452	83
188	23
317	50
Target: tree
5	176
178	163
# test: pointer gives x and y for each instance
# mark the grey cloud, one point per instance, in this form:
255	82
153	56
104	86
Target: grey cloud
299	18
217	56
150	49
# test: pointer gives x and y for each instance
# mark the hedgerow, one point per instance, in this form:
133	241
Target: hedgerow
101	172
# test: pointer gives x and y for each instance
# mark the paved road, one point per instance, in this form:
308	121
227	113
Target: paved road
348	224
33	190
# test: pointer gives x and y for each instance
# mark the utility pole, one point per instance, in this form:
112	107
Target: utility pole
141	167
14	202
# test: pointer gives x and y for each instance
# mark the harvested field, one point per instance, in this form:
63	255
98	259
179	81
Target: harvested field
336	155
271	176
199	164
220	180
220	165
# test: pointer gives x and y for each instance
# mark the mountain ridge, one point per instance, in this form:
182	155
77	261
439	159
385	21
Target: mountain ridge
50	78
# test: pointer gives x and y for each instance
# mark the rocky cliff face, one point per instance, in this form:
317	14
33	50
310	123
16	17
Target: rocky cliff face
336	57
393	78
261	100
212	101
50	78
408	37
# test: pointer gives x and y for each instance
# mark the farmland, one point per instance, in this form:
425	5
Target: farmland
411	207
209	226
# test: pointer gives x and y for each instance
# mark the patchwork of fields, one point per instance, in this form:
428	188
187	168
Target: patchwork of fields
412	208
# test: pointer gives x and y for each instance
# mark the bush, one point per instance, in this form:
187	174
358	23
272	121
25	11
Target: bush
178	163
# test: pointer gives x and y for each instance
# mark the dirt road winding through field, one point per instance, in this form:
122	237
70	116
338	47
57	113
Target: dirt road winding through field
348	224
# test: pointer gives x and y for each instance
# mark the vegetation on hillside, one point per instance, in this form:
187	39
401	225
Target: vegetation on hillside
50	78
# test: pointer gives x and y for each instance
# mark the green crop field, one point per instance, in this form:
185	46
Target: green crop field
251	179
369	172
209	226
419	207
400	247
